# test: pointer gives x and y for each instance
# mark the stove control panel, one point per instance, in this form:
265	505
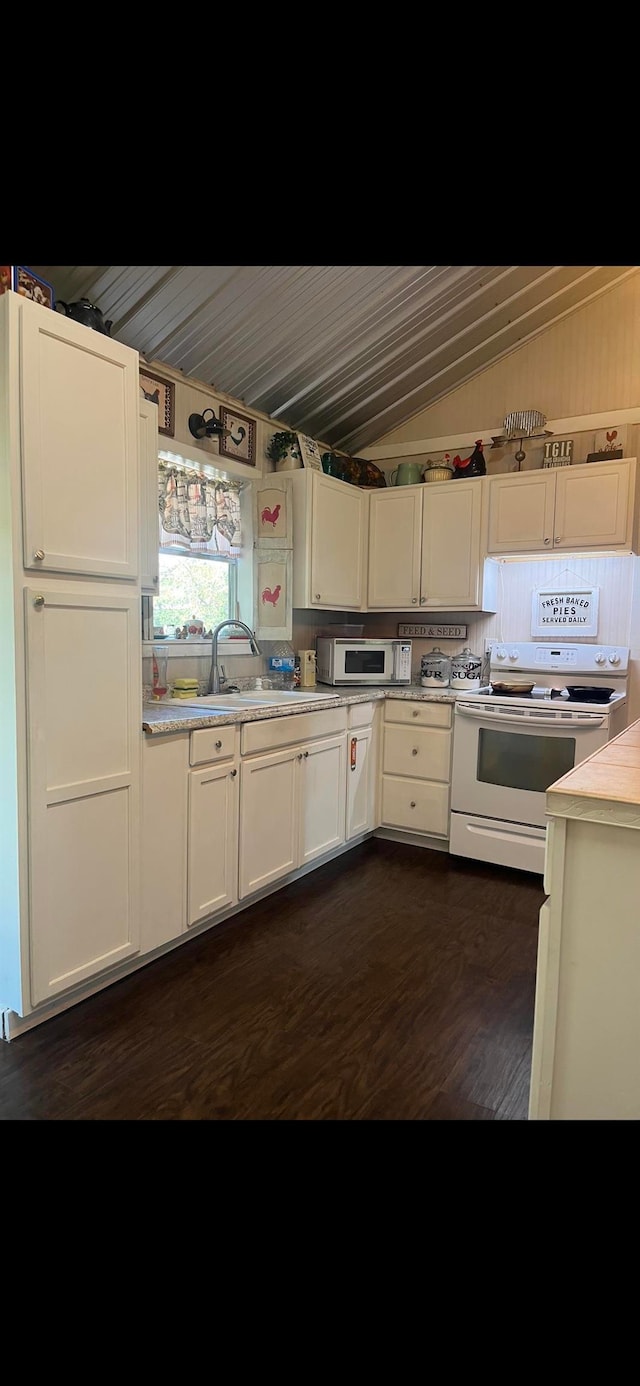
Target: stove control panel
578	658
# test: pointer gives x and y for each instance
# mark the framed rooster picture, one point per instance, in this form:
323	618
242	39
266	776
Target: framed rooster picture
273	616
239	438
272	526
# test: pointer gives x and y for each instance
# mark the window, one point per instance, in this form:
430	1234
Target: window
189	586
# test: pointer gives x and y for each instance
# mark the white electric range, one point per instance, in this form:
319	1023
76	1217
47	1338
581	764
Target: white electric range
508	749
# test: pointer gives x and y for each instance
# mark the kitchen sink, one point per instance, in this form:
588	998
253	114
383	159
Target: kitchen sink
253	697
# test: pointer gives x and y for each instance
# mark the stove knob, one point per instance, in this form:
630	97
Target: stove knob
601	658
501	653
614	658
513	654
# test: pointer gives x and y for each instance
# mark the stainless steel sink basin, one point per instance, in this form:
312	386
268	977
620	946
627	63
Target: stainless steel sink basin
253	697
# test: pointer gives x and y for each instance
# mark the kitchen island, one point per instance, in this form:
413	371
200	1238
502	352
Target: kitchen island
587	1014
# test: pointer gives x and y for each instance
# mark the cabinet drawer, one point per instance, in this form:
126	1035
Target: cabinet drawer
360	714
422	752
420	806
212	743
420	714
270	734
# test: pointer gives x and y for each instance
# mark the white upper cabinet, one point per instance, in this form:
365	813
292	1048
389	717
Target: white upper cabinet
425	548
565	508
149	514
451	566
329	542
395	534
79	428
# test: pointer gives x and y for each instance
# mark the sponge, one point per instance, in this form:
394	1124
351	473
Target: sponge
190	684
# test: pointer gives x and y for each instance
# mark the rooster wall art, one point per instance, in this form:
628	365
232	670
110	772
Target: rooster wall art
271	596
270	517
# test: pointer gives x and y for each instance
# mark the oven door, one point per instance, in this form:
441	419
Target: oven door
504	761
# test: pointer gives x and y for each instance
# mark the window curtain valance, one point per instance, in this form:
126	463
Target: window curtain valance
197	514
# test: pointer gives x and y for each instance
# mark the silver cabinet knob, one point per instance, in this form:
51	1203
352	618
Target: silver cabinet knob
233	774
300	756
317	596
414	751
547	541
412	804
218	745
415	712
415	601
422	601
558	539
39	555
306	755
38	601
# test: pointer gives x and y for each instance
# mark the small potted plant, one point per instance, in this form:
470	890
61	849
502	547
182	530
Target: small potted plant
283	449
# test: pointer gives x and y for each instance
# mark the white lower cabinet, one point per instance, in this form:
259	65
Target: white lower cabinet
416	767
213	840
362	763
165	796
83	783
292	801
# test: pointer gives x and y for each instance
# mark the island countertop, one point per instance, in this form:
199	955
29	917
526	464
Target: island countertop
162	719
611	774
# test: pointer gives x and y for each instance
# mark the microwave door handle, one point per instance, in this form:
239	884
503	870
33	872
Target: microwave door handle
587	722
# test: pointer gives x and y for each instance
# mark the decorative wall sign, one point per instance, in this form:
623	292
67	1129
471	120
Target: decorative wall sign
432	632
559	453
565	611
240	442
163	393
608	444
310	451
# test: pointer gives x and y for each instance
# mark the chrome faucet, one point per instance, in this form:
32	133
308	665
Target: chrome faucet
214	676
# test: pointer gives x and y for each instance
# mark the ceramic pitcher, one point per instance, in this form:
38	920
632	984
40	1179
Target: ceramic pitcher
406	474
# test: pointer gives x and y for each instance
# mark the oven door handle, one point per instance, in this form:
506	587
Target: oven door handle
588	721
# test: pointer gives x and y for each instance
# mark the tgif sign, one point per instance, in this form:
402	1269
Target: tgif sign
573	611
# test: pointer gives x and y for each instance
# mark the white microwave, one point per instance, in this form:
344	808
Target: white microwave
374	662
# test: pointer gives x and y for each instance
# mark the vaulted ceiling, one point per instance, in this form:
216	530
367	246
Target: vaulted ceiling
343	353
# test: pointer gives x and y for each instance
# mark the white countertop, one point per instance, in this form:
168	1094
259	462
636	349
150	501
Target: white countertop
163	718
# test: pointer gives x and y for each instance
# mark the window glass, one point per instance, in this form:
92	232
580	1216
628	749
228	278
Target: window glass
200	587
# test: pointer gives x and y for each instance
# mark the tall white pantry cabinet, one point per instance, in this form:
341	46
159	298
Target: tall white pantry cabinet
70	655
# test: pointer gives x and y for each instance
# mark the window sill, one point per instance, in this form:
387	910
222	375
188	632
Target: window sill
195	649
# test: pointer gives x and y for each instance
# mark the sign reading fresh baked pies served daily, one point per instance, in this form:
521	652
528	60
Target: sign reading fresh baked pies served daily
566	612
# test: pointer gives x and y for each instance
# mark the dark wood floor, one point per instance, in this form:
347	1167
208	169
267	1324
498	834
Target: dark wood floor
395	983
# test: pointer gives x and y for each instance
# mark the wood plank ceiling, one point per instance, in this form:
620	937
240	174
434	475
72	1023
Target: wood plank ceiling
343	353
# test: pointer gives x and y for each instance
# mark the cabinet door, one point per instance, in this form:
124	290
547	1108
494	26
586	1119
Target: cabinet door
268	844
84	715
395	532
79	417
338	513
451	545
321	766
213	840
594	505
360	783
165	774
521	510
149	515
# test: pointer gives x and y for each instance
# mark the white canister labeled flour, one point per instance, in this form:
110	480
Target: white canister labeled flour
465	670
435	669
